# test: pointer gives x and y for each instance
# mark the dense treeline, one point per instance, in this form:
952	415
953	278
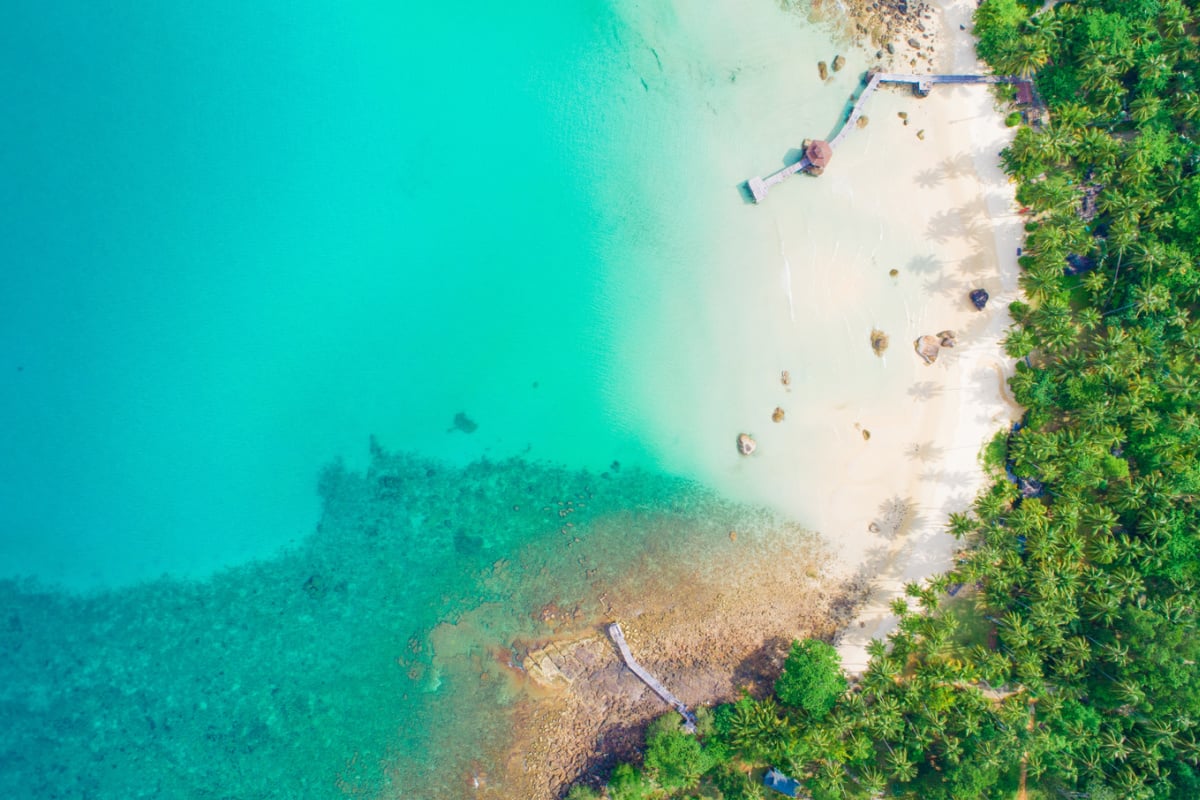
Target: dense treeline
1066	663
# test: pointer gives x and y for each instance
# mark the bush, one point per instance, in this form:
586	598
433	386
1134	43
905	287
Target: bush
581	792
1013	119
1115	468
996	452
675	759
628	783
812	678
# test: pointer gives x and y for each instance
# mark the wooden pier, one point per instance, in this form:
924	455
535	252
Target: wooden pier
689	719
922	85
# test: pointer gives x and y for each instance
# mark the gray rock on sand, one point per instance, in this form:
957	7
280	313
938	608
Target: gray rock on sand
947	338
746	444
927	348
913	43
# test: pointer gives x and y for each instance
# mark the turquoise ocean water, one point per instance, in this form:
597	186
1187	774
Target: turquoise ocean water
241	240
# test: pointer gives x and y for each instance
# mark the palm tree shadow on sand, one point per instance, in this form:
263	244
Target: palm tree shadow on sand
896	516
924	390
924	265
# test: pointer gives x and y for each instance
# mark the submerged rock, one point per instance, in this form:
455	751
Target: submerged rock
879	341
979	298
463	423
777	415
839	61
927	348
746	444
823	70
785	378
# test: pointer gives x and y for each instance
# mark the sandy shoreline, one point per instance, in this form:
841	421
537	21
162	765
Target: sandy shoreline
879	469
967	399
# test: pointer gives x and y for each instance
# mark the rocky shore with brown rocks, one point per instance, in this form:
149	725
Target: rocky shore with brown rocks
706	632
902	34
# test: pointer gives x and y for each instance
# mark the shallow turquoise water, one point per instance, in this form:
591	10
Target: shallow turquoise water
243	238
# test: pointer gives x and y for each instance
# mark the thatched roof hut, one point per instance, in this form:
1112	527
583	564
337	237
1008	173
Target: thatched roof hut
818	153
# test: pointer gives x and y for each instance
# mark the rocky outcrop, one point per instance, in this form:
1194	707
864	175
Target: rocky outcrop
746	444
927	348
558	664
979	298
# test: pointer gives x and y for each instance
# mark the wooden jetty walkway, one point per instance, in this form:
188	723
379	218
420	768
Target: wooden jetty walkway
689	719
922	85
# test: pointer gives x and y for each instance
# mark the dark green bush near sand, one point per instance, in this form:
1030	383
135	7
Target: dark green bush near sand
812	679
1067	663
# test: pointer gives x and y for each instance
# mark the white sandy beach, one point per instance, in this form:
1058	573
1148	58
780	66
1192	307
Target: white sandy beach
968	399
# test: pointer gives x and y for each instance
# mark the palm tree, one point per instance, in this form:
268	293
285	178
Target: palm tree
1145	107
1173	19
901	766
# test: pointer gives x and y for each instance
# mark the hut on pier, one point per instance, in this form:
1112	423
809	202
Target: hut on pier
818	152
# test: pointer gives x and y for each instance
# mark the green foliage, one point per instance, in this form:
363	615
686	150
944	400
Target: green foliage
581	792
812	678
1013	119
629	783
737	785
751	727
997	23
674	758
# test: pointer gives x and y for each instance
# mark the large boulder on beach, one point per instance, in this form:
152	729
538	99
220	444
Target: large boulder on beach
927	348
746	444
979	298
